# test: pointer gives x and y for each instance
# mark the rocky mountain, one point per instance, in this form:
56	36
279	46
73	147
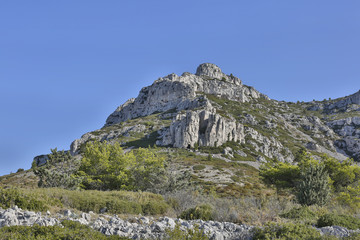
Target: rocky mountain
213	132
216	111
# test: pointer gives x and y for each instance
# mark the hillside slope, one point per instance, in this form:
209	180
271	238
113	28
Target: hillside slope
213	112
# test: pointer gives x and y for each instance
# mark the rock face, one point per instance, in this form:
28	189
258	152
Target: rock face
41	160
342	104
349	129
202	128
210	70
345	104
180	93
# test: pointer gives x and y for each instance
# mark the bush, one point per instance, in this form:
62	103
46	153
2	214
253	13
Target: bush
60	177
122	206
347	221
199	167
350	196
10	197
107	167
193	234
204	212
341	173
302	213
280	174
71	230
154	207
314	185
286	231
58	171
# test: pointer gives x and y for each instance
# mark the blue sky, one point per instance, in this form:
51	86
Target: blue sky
66	65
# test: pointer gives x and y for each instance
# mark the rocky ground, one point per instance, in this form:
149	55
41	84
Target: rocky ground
140	227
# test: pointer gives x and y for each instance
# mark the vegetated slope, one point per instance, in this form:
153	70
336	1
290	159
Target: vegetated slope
214	128
210	109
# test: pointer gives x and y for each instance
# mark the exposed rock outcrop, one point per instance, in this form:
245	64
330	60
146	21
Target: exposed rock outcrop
180	93
143	227
202	128
349	130
345	104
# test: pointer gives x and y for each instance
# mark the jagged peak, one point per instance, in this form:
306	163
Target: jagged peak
209	69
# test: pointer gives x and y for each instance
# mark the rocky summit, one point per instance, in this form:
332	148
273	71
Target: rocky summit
214	109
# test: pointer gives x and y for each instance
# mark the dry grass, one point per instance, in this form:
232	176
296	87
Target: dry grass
24	179
247	210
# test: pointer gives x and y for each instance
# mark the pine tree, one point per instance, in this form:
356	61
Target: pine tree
313	187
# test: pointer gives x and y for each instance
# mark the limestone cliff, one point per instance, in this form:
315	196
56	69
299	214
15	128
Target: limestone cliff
180	92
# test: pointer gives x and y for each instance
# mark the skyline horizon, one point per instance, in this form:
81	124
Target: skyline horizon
65	66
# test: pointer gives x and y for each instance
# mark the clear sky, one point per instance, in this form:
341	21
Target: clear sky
66	65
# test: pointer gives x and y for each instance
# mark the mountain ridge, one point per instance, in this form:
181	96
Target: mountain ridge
212	109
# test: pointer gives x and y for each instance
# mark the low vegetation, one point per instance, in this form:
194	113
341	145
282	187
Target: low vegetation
204	212
286	231
331	219
314	180
106	167
190	234
285	199
115	202
68	230
10	197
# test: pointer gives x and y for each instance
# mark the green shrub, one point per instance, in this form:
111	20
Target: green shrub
121	206
10	197
204	212
190	234
347	221
350	197
302	213
353	236
71	230
341	173
199	167
106	167
58	171
280	174
286	231
313	187
61	176
154	207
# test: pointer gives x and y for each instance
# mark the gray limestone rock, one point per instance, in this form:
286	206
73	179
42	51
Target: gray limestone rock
202	127
210	70
146	228
180	92
41	160
349	130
